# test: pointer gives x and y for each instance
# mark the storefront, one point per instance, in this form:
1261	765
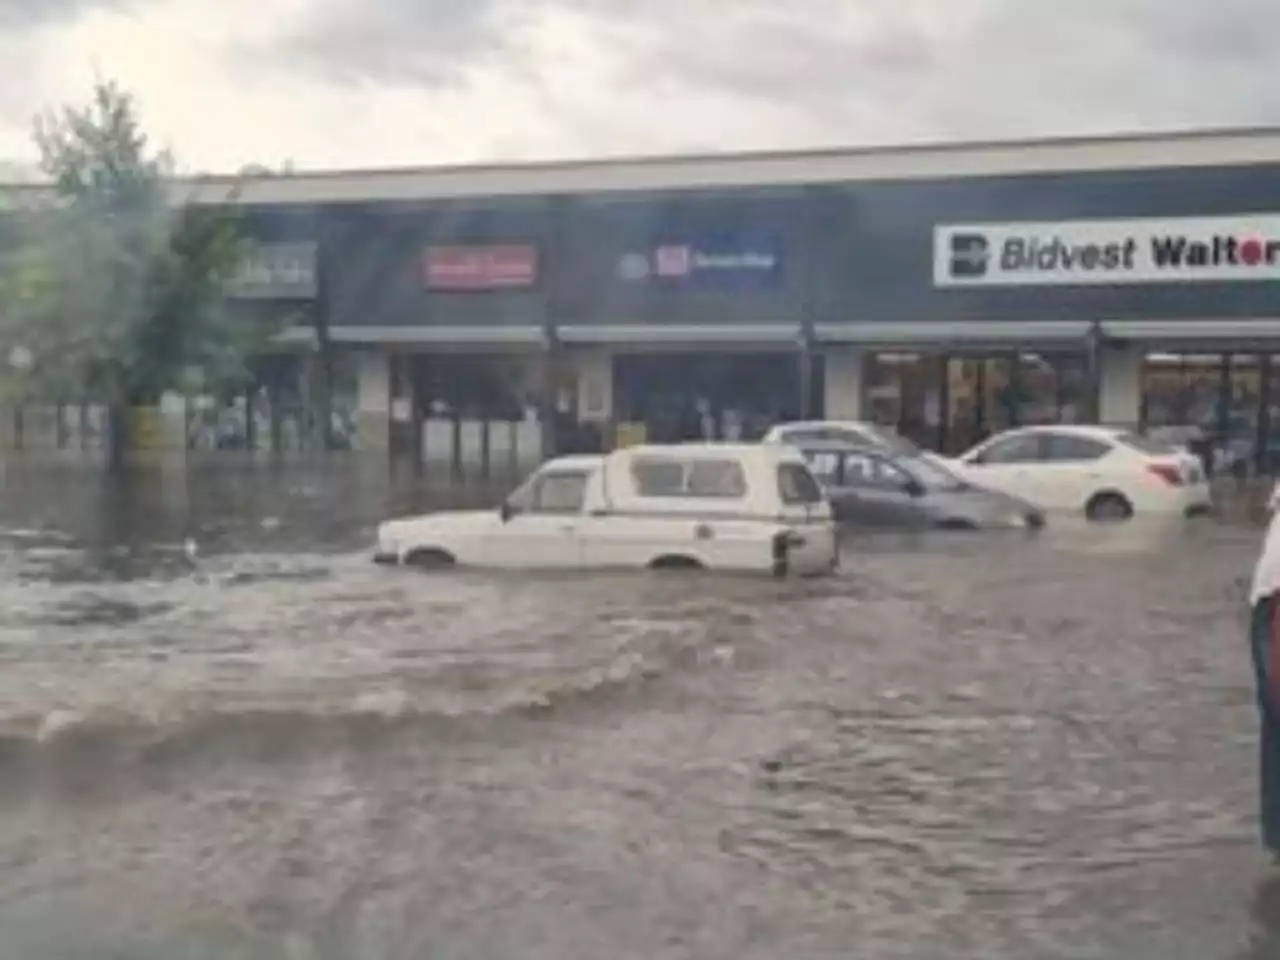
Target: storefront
273	410
949	402
1199	367
950	292
693	300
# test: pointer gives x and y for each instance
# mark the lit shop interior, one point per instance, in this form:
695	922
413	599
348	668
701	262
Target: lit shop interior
948	403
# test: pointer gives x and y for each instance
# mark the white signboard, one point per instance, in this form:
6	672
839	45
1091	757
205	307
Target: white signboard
276	271
1241	247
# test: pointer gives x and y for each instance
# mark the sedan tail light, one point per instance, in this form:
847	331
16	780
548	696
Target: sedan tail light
1168	472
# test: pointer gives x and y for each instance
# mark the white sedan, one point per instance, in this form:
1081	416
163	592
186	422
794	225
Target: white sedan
1103	472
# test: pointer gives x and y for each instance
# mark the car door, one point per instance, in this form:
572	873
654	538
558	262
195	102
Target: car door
1009	463
825	465
547	531
1073	470
897	496
878	494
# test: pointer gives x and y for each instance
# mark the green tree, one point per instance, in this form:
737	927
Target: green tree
112	289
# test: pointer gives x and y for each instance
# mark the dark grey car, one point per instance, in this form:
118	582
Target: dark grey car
871	487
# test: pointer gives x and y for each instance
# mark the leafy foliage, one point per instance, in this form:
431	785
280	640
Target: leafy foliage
112	289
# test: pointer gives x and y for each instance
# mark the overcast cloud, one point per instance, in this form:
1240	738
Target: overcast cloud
328	83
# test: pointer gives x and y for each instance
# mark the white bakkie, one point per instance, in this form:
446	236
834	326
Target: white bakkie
716	506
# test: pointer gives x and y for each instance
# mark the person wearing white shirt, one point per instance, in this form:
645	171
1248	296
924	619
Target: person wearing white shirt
1264	641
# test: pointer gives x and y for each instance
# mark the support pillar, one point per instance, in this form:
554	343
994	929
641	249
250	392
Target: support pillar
549	393
373	401
805	361
842	392
594	369
1119	382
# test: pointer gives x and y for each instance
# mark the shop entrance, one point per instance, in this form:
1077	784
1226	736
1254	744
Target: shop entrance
1230	401
950	402
466	415
710	395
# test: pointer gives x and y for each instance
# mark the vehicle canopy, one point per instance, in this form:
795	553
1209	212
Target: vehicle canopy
742	478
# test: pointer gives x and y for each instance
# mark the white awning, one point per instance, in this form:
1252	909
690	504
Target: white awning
298	336
683	333
472	334
1198	330
941	334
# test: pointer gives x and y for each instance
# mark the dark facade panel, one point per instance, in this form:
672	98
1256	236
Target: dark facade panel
840	254
376	265
277	224
874	252
683	259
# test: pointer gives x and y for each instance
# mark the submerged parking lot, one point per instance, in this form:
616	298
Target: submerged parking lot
257	744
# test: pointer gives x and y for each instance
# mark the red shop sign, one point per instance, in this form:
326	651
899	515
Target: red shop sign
497	267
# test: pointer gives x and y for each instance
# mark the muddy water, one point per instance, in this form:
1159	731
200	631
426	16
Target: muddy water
264	747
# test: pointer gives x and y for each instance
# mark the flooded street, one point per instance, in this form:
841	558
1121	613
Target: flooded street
260	745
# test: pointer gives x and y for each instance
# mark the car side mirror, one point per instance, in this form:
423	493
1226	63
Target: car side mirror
505	511
914	488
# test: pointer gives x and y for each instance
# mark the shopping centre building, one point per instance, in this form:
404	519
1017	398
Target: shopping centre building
948	290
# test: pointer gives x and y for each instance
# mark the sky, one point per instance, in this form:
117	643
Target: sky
379	83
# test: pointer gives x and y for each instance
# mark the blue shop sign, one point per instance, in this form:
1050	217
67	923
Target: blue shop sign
733	261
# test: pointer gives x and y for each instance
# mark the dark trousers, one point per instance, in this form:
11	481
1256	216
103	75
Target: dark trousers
1265	643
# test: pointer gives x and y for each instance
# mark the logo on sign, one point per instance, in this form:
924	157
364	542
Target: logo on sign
497	267
736	262
672	261
969	253
1210	249
276	270
633	266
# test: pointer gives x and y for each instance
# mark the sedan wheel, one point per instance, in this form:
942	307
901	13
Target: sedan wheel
1108	507
430	559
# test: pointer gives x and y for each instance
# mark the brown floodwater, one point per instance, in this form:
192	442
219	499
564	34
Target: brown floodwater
961	746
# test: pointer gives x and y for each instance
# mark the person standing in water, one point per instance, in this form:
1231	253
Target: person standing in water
1264	640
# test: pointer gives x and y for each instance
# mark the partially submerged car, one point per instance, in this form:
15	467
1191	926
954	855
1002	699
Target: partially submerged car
717	506
853	433
871	486
1103	473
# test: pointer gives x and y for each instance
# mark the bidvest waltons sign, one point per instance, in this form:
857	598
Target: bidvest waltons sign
1094	252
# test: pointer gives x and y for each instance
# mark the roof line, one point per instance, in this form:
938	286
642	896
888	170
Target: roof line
939	160
1176	135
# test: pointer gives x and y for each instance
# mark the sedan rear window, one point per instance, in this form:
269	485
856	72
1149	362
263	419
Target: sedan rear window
1066	448
1149	445
797	485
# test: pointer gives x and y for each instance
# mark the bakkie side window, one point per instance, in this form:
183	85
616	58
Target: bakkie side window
561	492
701	477
716	478
656	477
796	485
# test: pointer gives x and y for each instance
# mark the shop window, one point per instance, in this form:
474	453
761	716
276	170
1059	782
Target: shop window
1243	399
697	396
904	393
1182	390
